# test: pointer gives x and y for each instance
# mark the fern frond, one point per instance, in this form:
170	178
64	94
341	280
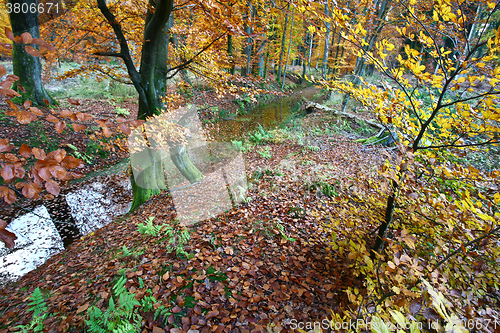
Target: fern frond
37	303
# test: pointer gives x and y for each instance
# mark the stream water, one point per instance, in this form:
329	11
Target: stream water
92	202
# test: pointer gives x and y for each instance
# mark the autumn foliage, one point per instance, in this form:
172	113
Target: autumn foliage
419	232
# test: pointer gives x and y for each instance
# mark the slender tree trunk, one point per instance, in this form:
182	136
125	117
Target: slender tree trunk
327	42
289	49
266	64
336	58
27	67
247	50
305	41
283	40
230	51
311	40
360	61
261	61
389	212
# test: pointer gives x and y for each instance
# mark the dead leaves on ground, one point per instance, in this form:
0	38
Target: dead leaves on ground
242	277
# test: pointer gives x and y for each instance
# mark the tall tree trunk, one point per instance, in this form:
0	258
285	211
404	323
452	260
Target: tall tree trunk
326	50
266	64
305	41
230	51
310	51
27	67
360	61
337	50
282	50
247	50
149	82
289	49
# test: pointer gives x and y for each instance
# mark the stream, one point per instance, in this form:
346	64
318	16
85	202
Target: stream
89	203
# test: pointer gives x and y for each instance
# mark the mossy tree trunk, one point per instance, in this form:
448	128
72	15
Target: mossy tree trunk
27	67
150	83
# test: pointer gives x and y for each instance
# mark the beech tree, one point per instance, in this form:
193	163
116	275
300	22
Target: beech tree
149	82
435	220
25	60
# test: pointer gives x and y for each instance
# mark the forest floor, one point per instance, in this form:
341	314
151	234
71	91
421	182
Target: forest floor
264	265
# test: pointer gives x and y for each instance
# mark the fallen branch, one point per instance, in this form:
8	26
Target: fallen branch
311	107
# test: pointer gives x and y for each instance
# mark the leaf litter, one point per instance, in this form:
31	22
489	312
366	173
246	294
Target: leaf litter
242	273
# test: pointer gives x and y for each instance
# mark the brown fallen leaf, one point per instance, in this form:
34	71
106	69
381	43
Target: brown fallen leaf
211	314
83	308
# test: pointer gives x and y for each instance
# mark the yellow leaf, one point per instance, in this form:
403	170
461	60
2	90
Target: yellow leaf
496	197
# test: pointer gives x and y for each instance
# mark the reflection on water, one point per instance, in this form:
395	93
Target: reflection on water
37	239
269	115
42	232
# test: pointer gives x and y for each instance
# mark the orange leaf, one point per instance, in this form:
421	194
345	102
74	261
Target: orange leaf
7	172
3	71
83	308
12	105
7	237
136	123
32	51
59	172
52	119
19	171
52	187
10	158
60	126
125	129
73	101
5	146
71	162
36	111
57	155
106	131
9	34
25	151
77	175
25	117
66	113
39	153
8	195
212	314
44	174
83	116
26	37
8	92
29	190
7	83
27	104
78	127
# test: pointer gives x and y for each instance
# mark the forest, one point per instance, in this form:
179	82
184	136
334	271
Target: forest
249	166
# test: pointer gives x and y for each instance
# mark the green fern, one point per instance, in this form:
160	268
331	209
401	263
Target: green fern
149	228
162	312
37	303
121	318
38	306
126	251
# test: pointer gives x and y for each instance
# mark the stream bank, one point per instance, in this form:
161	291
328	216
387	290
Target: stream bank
98	198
